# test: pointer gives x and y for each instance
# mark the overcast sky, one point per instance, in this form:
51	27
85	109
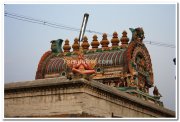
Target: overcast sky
25	42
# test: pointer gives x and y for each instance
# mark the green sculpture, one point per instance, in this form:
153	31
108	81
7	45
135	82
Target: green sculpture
137	34
56	46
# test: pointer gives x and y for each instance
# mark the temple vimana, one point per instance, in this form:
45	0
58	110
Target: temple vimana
79	81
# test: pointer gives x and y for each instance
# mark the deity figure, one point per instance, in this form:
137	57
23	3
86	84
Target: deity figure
81	65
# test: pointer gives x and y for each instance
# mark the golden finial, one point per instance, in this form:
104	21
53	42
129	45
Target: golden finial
124	40
75	46
105	41
85	45
95	42
115	40
66	46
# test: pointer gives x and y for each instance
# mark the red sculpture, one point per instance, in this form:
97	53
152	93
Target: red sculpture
80	64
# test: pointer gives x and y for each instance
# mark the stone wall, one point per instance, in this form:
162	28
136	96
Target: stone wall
59	97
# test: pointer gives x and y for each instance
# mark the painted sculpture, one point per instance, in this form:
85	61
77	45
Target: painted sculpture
137	34
56	46
130	69
80	64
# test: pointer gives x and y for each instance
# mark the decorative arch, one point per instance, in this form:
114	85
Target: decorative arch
41	66
138	53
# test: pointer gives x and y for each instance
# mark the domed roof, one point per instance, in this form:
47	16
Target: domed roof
114	58
118	63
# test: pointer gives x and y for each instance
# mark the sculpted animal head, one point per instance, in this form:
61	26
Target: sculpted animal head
137	34
56	45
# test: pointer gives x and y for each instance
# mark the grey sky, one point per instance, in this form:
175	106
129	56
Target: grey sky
26	42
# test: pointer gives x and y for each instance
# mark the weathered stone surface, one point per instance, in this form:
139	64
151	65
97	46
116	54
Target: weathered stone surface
59	97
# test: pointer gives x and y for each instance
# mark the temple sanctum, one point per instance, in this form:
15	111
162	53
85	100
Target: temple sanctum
79	81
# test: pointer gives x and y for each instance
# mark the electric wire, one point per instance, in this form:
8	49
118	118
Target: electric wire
60	26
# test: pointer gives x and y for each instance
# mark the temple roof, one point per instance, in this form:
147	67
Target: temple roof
113	58
121	65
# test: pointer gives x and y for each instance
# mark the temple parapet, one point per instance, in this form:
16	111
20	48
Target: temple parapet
60	97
